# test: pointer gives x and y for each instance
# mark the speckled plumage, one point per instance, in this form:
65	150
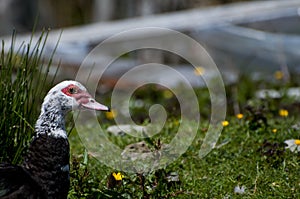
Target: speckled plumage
47	160
45	170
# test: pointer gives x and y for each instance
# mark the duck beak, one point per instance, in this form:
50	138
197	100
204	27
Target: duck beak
93	105
87	101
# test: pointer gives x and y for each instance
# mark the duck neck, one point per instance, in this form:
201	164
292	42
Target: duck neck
51	120
47	159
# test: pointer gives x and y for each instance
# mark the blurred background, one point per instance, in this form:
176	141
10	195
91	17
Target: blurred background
22	14
243	37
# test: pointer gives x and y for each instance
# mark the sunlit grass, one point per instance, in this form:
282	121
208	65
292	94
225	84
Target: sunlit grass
250	153
22	88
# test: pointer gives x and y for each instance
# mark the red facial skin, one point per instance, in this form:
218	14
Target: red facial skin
83	98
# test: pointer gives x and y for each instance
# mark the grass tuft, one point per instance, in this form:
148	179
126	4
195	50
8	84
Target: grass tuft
22	87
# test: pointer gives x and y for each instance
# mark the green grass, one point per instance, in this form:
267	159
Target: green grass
22	87
247	154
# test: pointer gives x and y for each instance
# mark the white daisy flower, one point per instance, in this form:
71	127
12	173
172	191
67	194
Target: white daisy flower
293	145
239	190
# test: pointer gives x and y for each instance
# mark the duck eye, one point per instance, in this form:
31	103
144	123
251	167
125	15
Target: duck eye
72	90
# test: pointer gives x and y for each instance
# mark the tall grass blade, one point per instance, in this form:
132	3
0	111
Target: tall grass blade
23	84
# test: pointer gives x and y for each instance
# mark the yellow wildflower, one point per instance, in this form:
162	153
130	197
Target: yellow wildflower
278	75
297	142
167	94
225	123
176	122
199	71
111	114
283	112
118	176
274	130
239	116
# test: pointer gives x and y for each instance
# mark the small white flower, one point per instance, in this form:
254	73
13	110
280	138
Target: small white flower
293	145
239	190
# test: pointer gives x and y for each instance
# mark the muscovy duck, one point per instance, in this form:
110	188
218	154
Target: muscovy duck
45	170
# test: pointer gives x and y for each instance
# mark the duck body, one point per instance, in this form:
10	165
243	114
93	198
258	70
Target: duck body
48	162
45	170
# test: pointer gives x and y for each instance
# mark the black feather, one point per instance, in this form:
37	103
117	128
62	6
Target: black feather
16	182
